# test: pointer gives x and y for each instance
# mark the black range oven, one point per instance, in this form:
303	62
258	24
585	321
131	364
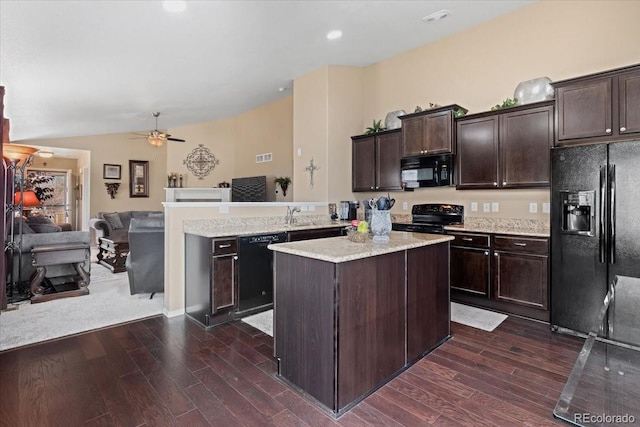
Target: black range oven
431	218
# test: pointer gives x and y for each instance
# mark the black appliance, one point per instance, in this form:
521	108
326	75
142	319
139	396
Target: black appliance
431	218
249	189
349	210
255	271
595	227
427	171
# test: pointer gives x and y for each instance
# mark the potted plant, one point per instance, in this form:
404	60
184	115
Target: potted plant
283	182
377	127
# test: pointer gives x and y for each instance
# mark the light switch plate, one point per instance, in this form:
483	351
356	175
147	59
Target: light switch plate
495	207
405	206
486	207
474	206
533	208
299	151
312	208
546	207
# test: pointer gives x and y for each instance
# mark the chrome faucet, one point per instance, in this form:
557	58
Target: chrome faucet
290	211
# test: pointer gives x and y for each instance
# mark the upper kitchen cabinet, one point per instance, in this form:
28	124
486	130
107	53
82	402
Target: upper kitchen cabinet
598	108
505	148
376	161
429	132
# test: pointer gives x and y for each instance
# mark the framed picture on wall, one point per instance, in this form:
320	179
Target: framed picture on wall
138	178
110	171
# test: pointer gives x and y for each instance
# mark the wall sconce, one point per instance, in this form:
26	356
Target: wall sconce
112	188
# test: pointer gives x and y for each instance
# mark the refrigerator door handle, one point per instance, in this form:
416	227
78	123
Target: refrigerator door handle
612	221
603	188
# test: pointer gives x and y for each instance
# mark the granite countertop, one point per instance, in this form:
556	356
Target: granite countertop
248	226
518	227
341	249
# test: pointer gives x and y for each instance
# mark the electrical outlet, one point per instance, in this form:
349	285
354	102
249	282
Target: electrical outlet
299	152
495	207
304	208
223	209
533	208
546	207
312	208
405	206
486	207
474	206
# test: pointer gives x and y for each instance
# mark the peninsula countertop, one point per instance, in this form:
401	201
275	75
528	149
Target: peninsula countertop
341	249
248	226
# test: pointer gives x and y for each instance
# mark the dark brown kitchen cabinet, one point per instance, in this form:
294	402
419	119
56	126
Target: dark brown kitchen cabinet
598	108
427	299
429	132
506	148
211	274
471	264
376	161
314	233
521	271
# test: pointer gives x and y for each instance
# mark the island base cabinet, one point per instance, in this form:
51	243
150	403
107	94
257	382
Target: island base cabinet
428	308
341	329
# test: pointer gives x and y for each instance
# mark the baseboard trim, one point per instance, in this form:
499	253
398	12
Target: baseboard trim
173	313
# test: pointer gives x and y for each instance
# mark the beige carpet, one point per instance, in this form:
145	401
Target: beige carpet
470	316
108	303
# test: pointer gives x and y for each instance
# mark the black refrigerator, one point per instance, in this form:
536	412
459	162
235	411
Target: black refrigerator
595	227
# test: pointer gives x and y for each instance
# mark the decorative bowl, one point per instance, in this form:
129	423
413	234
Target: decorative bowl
356	236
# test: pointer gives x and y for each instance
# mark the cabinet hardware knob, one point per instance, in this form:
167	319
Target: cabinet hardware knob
377	188
607	130
504	182
235	258
486	252
372	188
519	244
623	129
495	254
495	184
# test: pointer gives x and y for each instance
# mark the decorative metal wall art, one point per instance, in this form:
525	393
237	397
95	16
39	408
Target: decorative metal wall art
311	169
201	161
112	188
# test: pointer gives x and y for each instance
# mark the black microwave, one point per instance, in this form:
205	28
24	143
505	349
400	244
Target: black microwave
427	171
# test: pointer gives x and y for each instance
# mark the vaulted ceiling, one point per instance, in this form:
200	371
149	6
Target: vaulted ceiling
75	68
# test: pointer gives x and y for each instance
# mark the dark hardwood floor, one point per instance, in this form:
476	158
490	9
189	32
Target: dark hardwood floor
164	371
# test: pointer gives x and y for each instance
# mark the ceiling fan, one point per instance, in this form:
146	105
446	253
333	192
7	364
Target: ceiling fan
155	137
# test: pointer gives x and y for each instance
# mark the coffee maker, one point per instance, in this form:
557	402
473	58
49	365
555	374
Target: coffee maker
348	210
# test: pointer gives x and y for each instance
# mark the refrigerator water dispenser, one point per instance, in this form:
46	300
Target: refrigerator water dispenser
578	212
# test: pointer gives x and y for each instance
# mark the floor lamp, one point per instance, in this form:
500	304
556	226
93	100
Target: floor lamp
16	159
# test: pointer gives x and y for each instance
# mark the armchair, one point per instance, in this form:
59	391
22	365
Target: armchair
145	263
115	225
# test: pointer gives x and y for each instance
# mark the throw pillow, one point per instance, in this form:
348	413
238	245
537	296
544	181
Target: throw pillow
39	220
114	220
125	217
45	228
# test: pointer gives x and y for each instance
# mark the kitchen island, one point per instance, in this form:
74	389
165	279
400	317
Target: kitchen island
348	317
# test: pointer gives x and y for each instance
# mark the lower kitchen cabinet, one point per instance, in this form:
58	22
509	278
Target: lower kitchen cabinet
504	273
521	271
314	233
211	272
471	264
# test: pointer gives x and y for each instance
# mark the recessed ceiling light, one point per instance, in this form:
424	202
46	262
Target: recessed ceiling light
174	6
335	34
436	16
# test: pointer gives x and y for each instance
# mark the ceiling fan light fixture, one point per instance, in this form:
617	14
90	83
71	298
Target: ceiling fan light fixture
156	141
174	6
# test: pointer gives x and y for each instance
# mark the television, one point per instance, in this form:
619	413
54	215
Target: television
249	189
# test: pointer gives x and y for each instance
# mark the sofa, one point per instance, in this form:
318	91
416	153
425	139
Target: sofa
115	225
145	263
41	233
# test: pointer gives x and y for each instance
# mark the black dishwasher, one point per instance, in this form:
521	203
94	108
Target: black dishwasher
255	271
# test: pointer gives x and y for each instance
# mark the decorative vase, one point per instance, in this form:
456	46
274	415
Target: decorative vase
392	121
535	90
380	225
